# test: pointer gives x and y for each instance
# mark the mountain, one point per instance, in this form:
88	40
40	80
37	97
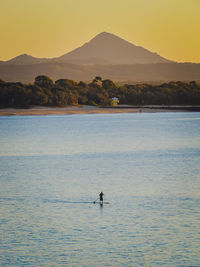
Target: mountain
160	72
106	55
25	59
107	48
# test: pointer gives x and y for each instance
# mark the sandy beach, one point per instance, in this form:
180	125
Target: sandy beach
64	111
42	110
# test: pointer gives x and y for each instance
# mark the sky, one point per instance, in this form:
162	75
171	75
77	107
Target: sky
51	28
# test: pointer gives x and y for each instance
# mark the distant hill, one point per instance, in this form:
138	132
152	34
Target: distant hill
137	72
25	59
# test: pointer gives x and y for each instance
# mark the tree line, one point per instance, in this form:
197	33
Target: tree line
99	92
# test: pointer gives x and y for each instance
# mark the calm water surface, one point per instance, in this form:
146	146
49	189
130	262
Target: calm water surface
53	167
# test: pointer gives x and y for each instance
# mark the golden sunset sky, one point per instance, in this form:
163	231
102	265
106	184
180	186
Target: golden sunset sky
50	28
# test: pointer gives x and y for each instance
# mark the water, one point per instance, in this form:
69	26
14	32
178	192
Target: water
148	166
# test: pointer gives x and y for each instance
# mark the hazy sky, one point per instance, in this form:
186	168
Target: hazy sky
50	28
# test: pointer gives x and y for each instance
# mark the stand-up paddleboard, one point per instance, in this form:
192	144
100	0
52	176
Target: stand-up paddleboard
97	202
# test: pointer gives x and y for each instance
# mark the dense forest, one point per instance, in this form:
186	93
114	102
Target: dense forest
99	92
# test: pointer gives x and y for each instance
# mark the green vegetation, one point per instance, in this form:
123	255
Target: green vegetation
99	92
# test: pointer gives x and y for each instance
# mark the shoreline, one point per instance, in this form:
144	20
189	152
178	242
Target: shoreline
42	110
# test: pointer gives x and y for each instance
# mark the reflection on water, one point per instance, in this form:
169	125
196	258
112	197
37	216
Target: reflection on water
53	168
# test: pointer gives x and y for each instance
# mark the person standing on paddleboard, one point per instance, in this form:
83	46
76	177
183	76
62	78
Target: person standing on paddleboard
101	197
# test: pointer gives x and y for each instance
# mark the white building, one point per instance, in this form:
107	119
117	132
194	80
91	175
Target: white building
115	101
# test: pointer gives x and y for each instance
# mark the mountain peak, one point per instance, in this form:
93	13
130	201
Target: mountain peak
106	36
107	48
25	59
21	56
24	55
21	59
104	33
